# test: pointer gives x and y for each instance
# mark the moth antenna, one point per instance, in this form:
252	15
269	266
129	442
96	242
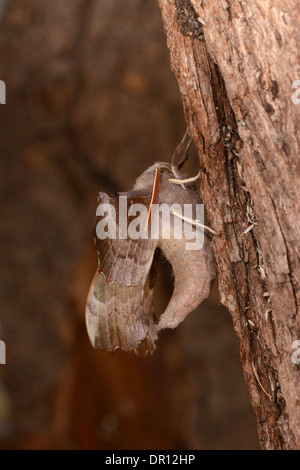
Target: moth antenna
181	154
194	222
186	180
154	194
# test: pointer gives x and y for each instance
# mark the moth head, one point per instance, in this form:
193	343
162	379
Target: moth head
146	179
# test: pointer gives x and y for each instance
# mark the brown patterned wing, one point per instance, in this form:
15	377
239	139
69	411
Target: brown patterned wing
119	310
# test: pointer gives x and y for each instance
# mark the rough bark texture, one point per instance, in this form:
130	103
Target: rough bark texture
235	63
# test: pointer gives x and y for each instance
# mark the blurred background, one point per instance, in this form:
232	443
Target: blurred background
91	103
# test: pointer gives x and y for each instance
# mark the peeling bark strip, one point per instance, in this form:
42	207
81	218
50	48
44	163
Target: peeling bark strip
236	87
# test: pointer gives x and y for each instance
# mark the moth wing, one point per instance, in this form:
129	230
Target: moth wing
119	310
123	259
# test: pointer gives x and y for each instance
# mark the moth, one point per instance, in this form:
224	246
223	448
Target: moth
119	308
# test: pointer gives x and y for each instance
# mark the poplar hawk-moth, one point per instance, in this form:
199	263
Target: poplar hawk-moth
119	309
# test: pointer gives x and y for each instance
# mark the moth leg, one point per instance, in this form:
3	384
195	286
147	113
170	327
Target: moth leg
194	222
186	180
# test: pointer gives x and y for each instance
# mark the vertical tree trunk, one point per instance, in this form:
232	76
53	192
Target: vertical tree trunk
235	63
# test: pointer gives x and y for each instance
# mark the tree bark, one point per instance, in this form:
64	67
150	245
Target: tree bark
235	63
